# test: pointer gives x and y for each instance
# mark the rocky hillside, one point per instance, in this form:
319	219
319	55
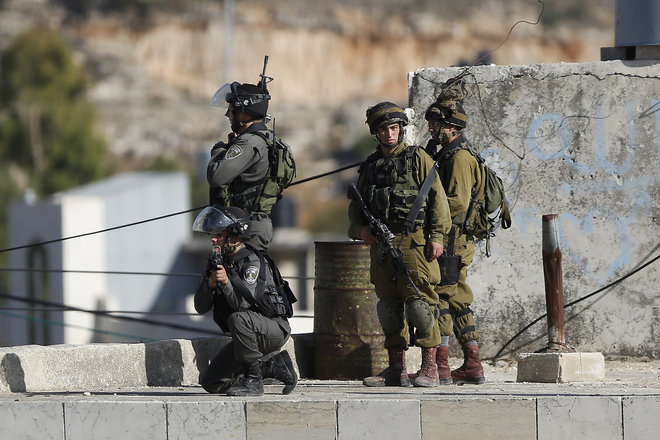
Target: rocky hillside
154	64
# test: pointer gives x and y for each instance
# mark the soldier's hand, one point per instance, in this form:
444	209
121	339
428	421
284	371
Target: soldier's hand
367	236
433	250
218	277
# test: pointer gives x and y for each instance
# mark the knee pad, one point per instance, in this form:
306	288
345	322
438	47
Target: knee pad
420	315
390	315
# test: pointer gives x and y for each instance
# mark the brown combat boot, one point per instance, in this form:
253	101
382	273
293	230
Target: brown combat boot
442	361
471	371
395	375
428	372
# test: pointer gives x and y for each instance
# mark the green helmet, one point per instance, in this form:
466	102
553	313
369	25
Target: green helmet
385	113
447	112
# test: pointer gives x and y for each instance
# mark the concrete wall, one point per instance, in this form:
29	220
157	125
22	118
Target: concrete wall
581	141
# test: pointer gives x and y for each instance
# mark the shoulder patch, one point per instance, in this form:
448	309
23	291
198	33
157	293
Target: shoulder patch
250	274
234	151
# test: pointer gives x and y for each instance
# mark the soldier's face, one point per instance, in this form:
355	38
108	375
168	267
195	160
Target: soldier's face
388	135
434	128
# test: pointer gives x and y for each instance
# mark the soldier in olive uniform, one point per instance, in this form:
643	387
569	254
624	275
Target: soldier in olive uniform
389	181
461	177
238	169
240	288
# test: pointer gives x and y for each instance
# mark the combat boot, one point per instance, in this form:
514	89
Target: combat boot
428	372
395	375
442	361
251	384
471	371
280	367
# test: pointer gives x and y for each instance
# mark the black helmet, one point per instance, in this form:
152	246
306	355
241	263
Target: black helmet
248	98
448	112
385	113
214	220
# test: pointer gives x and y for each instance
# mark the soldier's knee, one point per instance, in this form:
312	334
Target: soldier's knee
420	315
390	315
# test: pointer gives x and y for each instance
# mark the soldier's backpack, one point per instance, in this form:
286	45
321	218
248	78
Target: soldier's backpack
488	208
282	169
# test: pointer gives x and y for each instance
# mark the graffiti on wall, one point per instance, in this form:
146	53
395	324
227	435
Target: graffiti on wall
625	183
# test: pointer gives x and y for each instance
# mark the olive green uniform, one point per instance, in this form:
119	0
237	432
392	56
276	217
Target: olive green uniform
460	175
389	186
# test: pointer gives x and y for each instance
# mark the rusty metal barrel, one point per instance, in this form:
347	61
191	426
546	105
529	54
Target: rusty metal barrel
348	340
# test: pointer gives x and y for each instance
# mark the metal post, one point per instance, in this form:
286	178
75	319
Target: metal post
554	290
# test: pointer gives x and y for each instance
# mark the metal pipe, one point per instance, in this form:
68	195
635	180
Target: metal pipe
554	290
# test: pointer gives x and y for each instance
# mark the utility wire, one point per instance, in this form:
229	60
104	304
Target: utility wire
101	313
63	324
613	283
116	272
199	208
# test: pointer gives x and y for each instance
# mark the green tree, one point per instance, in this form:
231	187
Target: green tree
46	122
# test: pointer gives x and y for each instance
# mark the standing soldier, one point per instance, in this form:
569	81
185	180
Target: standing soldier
239	170
460	174
389	182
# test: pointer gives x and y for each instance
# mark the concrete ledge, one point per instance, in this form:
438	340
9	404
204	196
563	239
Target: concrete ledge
176	362
560	367
419	416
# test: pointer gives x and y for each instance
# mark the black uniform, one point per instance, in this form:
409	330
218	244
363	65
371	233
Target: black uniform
255	337
237	173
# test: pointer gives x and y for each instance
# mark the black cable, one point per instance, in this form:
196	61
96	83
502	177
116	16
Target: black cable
326	174
107	272
101	313
102	230
117	272
629	274
163	216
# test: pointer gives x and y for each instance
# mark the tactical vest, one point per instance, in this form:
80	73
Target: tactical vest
261	195
391	189
242	194
272	296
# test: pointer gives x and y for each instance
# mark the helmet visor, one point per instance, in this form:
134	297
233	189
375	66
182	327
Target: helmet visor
224	95
211	221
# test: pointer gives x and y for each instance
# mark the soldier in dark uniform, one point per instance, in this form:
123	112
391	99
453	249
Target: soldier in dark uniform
460	174
389	181
240	288
239	169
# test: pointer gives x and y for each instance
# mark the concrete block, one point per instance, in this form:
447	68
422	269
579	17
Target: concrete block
31	420
374	419
560	367
579	417
206	420
492	419
640	417
197	354
291	420
104	420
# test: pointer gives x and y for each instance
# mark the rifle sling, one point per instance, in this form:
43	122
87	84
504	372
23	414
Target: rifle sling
409	223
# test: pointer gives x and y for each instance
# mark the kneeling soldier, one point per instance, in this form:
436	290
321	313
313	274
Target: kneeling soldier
240	285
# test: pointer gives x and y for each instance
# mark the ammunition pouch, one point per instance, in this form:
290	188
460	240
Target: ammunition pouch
450	267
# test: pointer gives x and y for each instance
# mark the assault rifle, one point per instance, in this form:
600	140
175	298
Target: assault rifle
264	79
384	236
215	260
